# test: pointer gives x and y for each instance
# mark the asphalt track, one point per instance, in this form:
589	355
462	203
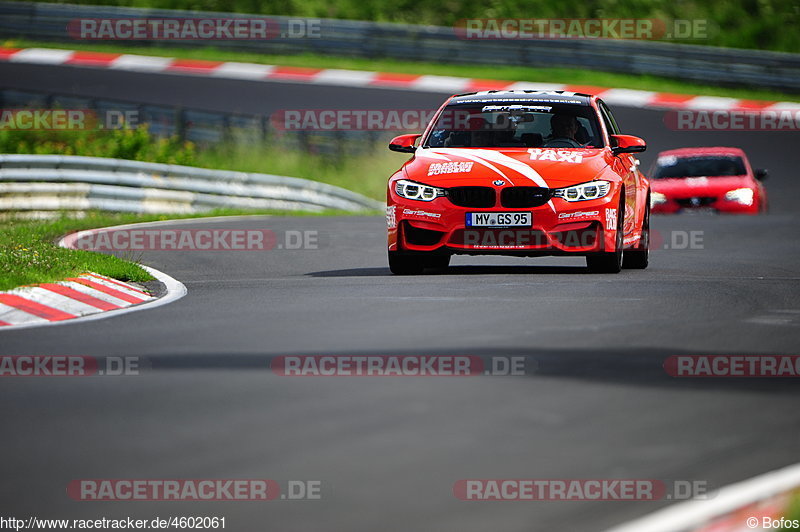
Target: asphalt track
596	402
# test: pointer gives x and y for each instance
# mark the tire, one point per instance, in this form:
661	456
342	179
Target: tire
639	257
403	264
610	261
437	262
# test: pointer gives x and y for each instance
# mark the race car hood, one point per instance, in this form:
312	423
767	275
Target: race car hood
543	167
690	187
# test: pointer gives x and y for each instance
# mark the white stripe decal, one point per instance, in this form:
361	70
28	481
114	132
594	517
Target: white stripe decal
470	154
520	167
430	155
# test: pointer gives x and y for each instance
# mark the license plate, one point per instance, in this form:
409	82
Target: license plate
499	219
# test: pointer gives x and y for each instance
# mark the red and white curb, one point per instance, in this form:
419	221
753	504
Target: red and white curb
362	78
87	297
64	300
740	507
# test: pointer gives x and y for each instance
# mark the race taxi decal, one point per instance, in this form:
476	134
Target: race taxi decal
562	156
420	213
577	215
611	219
391	217
450	168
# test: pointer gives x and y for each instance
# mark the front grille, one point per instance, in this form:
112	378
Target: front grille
522	197
693	203
480	197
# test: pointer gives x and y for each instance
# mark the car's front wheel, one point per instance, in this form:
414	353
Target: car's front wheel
405	264
639	257
610	261
415	263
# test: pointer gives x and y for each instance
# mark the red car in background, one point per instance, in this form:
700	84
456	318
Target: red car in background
716	179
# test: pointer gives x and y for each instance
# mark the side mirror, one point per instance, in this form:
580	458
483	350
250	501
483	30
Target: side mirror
761	174
627	144
404	143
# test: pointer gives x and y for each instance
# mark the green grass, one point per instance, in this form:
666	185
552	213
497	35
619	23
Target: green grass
29	254
134	144
793	511
760	24
365	173
498	72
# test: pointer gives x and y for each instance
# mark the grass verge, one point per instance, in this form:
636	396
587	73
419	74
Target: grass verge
793	511
29	254
498	72
364	172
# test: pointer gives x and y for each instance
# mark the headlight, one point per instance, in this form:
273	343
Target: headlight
740	195
657	198
417	191
583	192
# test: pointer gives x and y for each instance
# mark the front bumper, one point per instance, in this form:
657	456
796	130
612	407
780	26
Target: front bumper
558	227
675	204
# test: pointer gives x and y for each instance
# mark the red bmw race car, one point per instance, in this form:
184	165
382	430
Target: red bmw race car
717	179
523	173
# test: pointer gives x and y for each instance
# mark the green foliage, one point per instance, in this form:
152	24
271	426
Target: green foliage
136	144
760	24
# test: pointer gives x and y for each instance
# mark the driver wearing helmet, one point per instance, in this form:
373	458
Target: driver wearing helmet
564	127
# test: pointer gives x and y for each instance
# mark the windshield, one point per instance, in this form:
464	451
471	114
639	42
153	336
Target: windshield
519	124
671	166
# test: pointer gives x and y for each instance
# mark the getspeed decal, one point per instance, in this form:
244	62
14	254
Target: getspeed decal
578	214
424	214
450	168
565	156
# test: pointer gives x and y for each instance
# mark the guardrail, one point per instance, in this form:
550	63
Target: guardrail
54	182
441	44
